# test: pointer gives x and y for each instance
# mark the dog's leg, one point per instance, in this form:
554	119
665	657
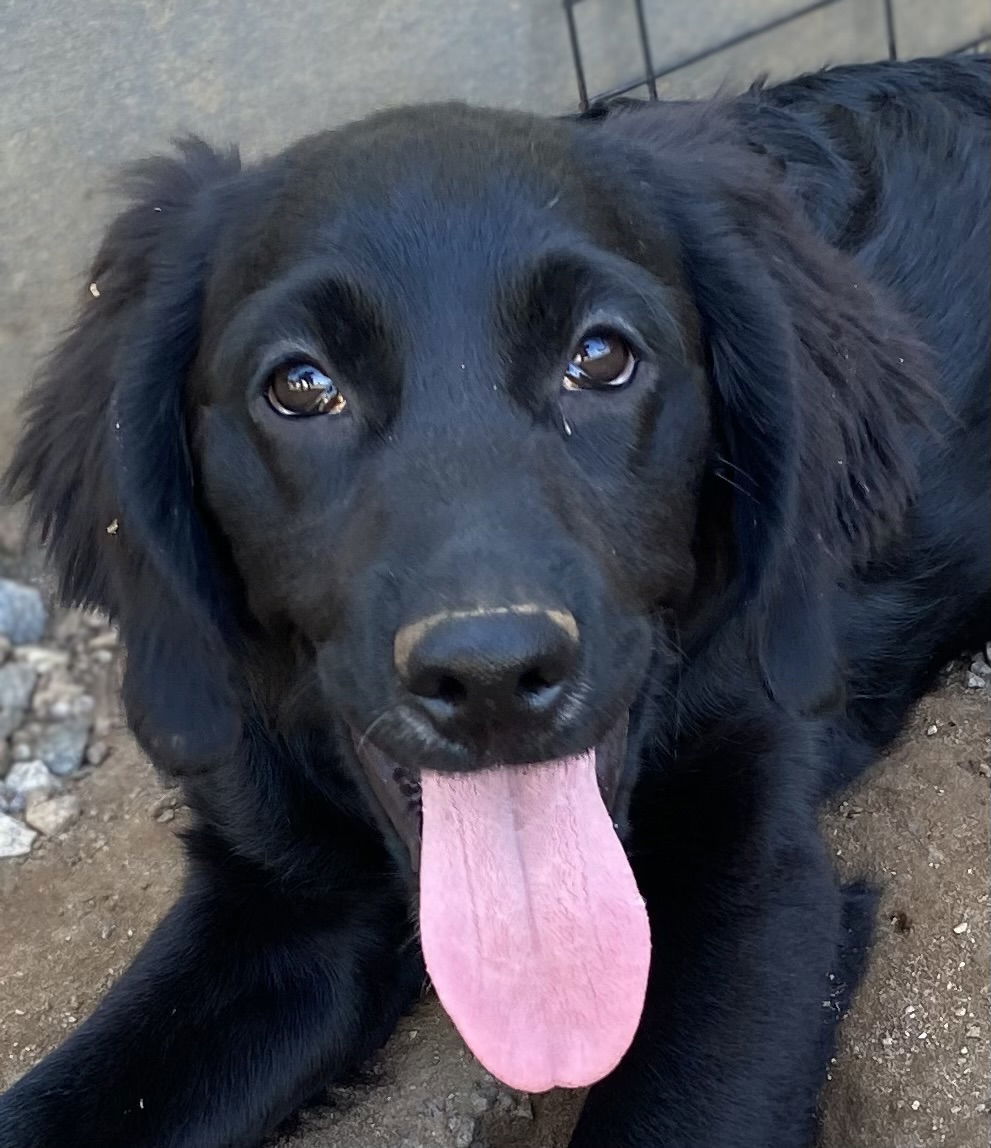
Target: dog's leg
750	972
239	1006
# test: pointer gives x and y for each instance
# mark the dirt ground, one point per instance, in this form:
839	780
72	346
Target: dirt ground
913	1070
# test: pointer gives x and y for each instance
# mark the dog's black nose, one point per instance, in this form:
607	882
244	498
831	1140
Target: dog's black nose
488	670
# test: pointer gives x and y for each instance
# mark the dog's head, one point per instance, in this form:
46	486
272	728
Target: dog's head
451	419
443	430
470	415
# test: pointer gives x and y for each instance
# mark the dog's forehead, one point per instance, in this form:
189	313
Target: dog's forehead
450	151
410	191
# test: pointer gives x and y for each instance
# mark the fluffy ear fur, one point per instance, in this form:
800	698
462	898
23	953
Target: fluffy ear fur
105	466
814	377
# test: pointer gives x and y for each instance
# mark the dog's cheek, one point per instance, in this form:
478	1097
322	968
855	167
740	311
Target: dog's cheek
661	504
246	507
237	484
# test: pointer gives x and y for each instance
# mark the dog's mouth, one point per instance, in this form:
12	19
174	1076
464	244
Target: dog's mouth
533	930
399	793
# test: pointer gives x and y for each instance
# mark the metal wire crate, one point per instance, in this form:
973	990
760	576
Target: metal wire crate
648	78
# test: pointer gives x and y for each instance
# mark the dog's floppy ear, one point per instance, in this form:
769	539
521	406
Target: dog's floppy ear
815	382
104	463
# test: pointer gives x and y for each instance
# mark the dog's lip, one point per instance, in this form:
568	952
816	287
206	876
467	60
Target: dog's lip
395	788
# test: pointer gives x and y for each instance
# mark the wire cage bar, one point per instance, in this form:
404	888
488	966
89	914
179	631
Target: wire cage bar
651	74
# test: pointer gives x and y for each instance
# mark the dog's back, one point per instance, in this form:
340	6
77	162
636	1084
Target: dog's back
892	164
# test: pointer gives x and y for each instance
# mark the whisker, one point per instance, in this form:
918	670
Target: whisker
736	486
739	469
372	725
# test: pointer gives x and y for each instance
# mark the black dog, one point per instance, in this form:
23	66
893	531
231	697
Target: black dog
651	446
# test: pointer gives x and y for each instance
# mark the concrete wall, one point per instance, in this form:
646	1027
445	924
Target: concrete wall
88	84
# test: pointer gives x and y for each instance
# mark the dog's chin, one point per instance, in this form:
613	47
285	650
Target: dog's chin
393	775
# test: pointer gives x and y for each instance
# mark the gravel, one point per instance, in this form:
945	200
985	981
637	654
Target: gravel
22	612
17	682
15	838
53	669
43	658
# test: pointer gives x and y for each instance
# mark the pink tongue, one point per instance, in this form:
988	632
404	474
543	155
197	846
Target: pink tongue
533	930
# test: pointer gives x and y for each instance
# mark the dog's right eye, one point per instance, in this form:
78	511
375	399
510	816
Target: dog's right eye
301	389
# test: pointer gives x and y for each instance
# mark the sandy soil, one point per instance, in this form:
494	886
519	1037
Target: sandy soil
913	1070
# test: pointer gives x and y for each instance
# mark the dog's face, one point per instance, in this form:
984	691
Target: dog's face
447	418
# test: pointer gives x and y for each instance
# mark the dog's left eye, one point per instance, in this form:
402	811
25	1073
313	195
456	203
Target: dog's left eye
601	360
301	389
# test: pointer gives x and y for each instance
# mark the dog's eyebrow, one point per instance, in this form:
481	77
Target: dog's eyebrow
563	289
313	306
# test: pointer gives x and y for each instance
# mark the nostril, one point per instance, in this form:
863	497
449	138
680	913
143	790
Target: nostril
450	690
533	684
434	684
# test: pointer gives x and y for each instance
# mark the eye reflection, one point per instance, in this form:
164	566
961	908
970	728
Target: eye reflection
299	389
602	360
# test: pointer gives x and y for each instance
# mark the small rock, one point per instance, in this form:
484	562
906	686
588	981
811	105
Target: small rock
463	1130
168	801
105	640
975	681
15	839
60	696
78	706
479	1102
69	624
962	1011
22	612
103	725
503	1102
961	928
14	804
932	730
54	814
43	658
522	1109
166	815
97	752
17	681
973	1031
32	777
61	747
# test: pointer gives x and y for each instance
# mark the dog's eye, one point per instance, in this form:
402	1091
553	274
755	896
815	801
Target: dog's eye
302	389
602	359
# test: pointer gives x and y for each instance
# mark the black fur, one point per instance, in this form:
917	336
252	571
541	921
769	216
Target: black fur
772	538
